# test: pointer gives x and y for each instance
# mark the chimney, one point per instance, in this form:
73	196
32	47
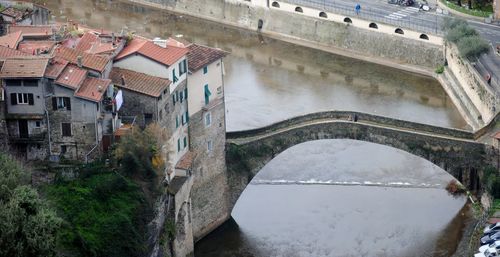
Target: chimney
123	80
79	61
113	38
160	42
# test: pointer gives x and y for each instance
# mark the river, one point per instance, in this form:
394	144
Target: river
401	208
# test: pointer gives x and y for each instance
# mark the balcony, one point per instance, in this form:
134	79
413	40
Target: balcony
30	138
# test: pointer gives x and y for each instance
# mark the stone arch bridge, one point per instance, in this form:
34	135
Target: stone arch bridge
454	150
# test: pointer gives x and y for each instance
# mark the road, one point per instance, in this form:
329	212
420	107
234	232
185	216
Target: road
415	19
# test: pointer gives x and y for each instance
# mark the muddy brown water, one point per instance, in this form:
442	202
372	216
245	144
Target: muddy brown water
267	81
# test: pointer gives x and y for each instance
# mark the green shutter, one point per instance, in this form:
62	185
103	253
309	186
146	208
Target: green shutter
187	117
185	142
178	145
186	93
176	121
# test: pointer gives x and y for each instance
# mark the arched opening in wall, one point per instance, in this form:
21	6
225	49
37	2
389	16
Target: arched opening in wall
347	20
323	15
399	31
298	9
373	26
260	24
424	37
275	4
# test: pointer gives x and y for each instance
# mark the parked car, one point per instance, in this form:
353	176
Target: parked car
490	252
495	245
488	239
492	227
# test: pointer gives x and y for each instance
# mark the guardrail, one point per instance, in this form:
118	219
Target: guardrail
369	13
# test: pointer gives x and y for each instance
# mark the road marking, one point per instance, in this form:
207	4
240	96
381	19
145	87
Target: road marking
402	13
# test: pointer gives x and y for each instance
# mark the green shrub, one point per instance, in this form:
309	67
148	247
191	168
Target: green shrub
460	31
472	47
440	69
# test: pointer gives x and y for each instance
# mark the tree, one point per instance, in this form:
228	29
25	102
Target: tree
472	47
28	226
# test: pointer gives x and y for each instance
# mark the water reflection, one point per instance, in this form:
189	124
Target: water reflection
269	80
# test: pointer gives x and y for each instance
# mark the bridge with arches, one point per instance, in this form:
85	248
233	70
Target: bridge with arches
454	150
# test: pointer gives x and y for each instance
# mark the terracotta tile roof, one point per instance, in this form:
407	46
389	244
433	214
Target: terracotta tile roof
11	40
93	89
32	30
86	41
144	47
72	76
497	135
6	52
30	47
17	14
27	67
55	67
199	56
178	41
139	82
186	161
89	61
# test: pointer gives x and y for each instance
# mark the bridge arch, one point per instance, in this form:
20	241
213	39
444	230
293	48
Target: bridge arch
299	9
323	15
453	150
275	4
424	37
347	20
373	25
399	31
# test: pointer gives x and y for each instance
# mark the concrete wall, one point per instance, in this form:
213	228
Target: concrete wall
483	97
209	193
354	40
197	82
38	97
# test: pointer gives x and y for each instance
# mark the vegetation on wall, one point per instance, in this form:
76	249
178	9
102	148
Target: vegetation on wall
28	225
470	44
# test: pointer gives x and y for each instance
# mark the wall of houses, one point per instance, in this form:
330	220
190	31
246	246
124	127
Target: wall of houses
38	98
197	82
179	110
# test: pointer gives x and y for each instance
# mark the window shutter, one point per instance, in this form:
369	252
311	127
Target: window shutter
186	93
13	98
173	98
176	121
54	103
67	103
187	117
31	101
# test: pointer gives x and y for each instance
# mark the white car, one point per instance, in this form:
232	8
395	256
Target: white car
495	245
491	228
490	252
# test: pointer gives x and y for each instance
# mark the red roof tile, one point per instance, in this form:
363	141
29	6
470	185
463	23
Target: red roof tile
6	52
497	135
72	76
55	67
93	89
11	40
144	47
86	41
32	30
90	61
200	56
139	82
186	161
31	47
16	13
24	67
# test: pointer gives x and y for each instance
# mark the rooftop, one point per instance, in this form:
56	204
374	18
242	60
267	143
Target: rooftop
72	76
6	52
139	82
11	40
164	55
200	56
15	13
31	47
32	30
93	89
90	61
27	67
186	161
55	67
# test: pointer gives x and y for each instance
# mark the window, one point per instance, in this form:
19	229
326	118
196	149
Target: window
166	108
173	99
174	78
207	94
209	145
13	83
66	129
219	90
187	116
176	121
186	93
161	115
205	70
148	118
61	103
178	145
208	119
182	67
21	98
185	142
2	97
37	124
183	119
64	149
30	83
181	96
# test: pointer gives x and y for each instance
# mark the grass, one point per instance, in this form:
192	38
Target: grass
102	215
483	12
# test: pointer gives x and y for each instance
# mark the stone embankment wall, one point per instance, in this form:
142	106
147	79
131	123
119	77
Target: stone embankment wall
483	96
382	45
